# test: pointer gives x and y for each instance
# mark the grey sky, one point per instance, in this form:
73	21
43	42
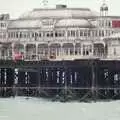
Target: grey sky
18	7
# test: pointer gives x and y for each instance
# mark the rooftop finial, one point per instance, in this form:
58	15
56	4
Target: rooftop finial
104	9
45	3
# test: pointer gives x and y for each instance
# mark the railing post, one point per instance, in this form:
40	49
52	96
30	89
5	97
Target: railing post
93	82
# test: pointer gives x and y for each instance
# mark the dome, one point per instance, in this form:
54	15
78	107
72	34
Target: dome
73	22
24	24
104	7
59	13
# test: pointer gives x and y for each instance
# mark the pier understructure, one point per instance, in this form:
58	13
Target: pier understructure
77	80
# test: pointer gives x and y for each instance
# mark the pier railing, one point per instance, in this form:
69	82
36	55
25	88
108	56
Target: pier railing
62	57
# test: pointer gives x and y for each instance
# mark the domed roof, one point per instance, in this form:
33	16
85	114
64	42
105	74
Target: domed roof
24	24
73	22
59	13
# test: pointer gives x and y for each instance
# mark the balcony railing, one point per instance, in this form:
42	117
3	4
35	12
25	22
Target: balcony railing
39	57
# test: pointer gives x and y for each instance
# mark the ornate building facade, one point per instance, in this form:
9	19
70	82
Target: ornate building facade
60	34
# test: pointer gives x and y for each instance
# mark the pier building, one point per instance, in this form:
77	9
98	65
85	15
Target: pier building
59	51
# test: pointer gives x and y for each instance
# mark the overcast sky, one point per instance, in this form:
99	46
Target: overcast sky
18	7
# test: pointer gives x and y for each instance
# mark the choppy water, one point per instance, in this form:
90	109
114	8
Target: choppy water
39	109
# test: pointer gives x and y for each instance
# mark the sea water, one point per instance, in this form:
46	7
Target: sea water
20	108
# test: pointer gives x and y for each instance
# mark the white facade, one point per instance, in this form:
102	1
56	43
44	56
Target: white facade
59	34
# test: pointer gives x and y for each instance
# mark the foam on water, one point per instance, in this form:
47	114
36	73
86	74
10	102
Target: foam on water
40	109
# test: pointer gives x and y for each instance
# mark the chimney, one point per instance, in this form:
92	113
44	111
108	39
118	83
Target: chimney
61	6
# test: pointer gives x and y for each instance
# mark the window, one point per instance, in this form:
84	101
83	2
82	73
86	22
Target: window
36	34
16	34
20	35
2	25
0	35
32	35
96	33
85	33
9	35
88	33
40	34
106	32
114	51
91	33
28	35
12	34
72	33
56	34
100	33
59	34
25	35
99	23
68	33
4	35
49	34
106	24
77	33
102	23
109	24
77	51
81	33
87	49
